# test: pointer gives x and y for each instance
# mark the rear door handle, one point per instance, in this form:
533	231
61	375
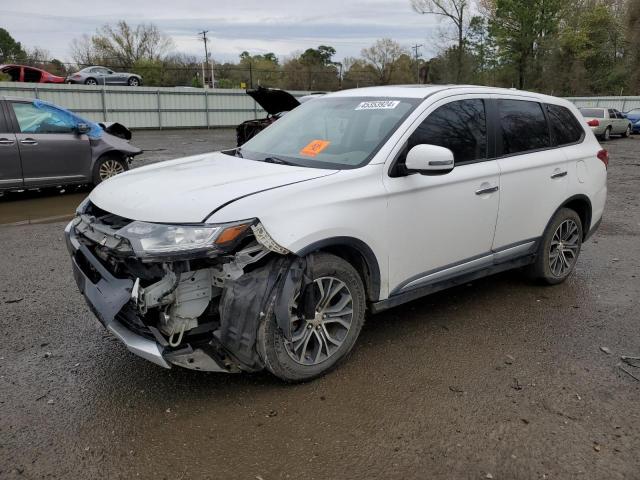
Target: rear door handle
28	141
484	191
559	174
6	141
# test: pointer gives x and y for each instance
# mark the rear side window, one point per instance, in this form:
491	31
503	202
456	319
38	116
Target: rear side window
565	128
592	112
524	126
4	127
460	126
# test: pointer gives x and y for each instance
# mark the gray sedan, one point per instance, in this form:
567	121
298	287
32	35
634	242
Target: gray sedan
45	145
104	76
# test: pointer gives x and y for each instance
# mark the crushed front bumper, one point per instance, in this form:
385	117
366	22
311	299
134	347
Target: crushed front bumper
106	295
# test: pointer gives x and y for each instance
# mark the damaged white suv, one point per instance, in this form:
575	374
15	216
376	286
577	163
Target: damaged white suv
268	255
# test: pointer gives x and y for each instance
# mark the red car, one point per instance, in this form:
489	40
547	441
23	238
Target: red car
22	73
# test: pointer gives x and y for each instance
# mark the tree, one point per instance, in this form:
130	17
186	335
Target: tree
633	41
521	28
122	45
10	50
454	10
382	56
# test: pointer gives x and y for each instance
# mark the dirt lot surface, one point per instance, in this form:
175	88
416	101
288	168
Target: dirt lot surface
497	379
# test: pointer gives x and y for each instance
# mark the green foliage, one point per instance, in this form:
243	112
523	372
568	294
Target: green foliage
4	77
10	50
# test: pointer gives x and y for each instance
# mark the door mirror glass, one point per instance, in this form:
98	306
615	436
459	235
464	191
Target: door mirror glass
82	128
427	159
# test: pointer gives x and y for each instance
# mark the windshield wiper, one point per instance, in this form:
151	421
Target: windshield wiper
277	160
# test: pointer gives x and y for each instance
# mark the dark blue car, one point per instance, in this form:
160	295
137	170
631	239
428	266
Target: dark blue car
634	116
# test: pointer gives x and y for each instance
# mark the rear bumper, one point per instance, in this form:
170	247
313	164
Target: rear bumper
107	295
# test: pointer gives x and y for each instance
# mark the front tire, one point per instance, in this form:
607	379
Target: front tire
559	248
317	344
627	132
108	166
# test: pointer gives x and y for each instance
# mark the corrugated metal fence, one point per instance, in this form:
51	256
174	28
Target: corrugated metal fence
146	107
164	107
624	104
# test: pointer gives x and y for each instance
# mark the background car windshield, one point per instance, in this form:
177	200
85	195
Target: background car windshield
343	132
592	112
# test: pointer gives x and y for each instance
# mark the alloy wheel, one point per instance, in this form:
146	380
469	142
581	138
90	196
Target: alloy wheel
91	82
109	168
563	251
314	340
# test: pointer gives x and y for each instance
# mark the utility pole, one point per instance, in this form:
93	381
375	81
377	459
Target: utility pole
206	57
415	49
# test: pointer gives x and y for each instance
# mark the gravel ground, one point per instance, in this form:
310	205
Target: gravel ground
497	379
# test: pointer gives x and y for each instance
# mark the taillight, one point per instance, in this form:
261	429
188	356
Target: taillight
603	156
594	123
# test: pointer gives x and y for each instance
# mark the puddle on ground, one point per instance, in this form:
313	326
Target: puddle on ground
40	206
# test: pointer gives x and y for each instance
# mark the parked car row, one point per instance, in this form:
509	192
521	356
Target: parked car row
95	75
605	122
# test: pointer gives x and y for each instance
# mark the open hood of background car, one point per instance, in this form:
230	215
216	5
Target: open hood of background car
273	100
188	190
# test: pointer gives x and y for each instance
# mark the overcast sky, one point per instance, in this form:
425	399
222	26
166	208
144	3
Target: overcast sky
282	27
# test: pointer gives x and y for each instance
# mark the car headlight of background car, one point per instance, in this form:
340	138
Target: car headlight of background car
154	239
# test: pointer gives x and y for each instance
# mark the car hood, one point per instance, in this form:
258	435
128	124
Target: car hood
188	190
273	100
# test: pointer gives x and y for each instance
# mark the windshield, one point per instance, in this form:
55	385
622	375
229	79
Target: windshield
338	132
592	112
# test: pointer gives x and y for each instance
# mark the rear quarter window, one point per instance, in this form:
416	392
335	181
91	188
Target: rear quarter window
565	127
523	126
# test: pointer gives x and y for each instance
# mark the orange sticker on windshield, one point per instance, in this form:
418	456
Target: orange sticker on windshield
314	147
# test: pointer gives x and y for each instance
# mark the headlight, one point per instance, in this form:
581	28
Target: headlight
159	239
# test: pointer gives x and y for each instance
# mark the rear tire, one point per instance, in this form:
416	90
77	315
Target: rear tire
606	136
559	248
91	81
108	166
318	345
133	82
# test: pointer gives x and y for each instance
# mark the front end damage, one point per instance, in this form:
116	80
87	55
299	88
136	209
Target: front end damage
197	309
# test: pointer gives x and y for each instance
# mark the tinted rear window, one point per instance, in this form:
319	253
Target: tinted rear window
565	128
592	112
524	126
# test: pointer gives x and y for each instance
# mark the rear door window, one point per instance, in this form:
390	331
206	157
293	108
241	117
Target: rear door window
565	128
460	126
523	126
612	113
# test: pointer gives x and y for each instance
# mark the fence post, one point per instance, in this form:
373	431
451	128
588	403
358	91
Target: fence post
35	92
206	107
159	109
104	105
624	103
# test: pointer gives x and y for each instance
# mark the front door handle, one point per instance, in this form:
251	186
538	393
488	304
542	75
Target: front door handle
6	141
28	141
484	191
559	174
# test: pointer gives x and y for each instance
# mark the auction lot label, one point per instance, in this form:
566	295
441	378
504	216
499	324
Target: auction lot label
378	105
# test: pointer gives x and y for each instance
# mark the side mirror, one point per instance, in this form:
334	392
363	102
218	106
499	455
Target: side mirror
425	159
82	128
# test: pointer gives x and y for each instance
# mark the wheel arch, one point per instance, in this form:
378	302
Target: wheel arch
358	254
582	206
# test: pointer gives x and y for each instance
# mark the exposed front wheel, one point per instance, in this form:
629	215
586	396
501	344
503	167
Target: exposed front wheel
318	343
559	248
107	167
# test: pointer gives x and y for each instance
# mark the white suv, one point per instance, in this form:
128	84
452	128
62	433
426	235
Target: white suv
268	255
